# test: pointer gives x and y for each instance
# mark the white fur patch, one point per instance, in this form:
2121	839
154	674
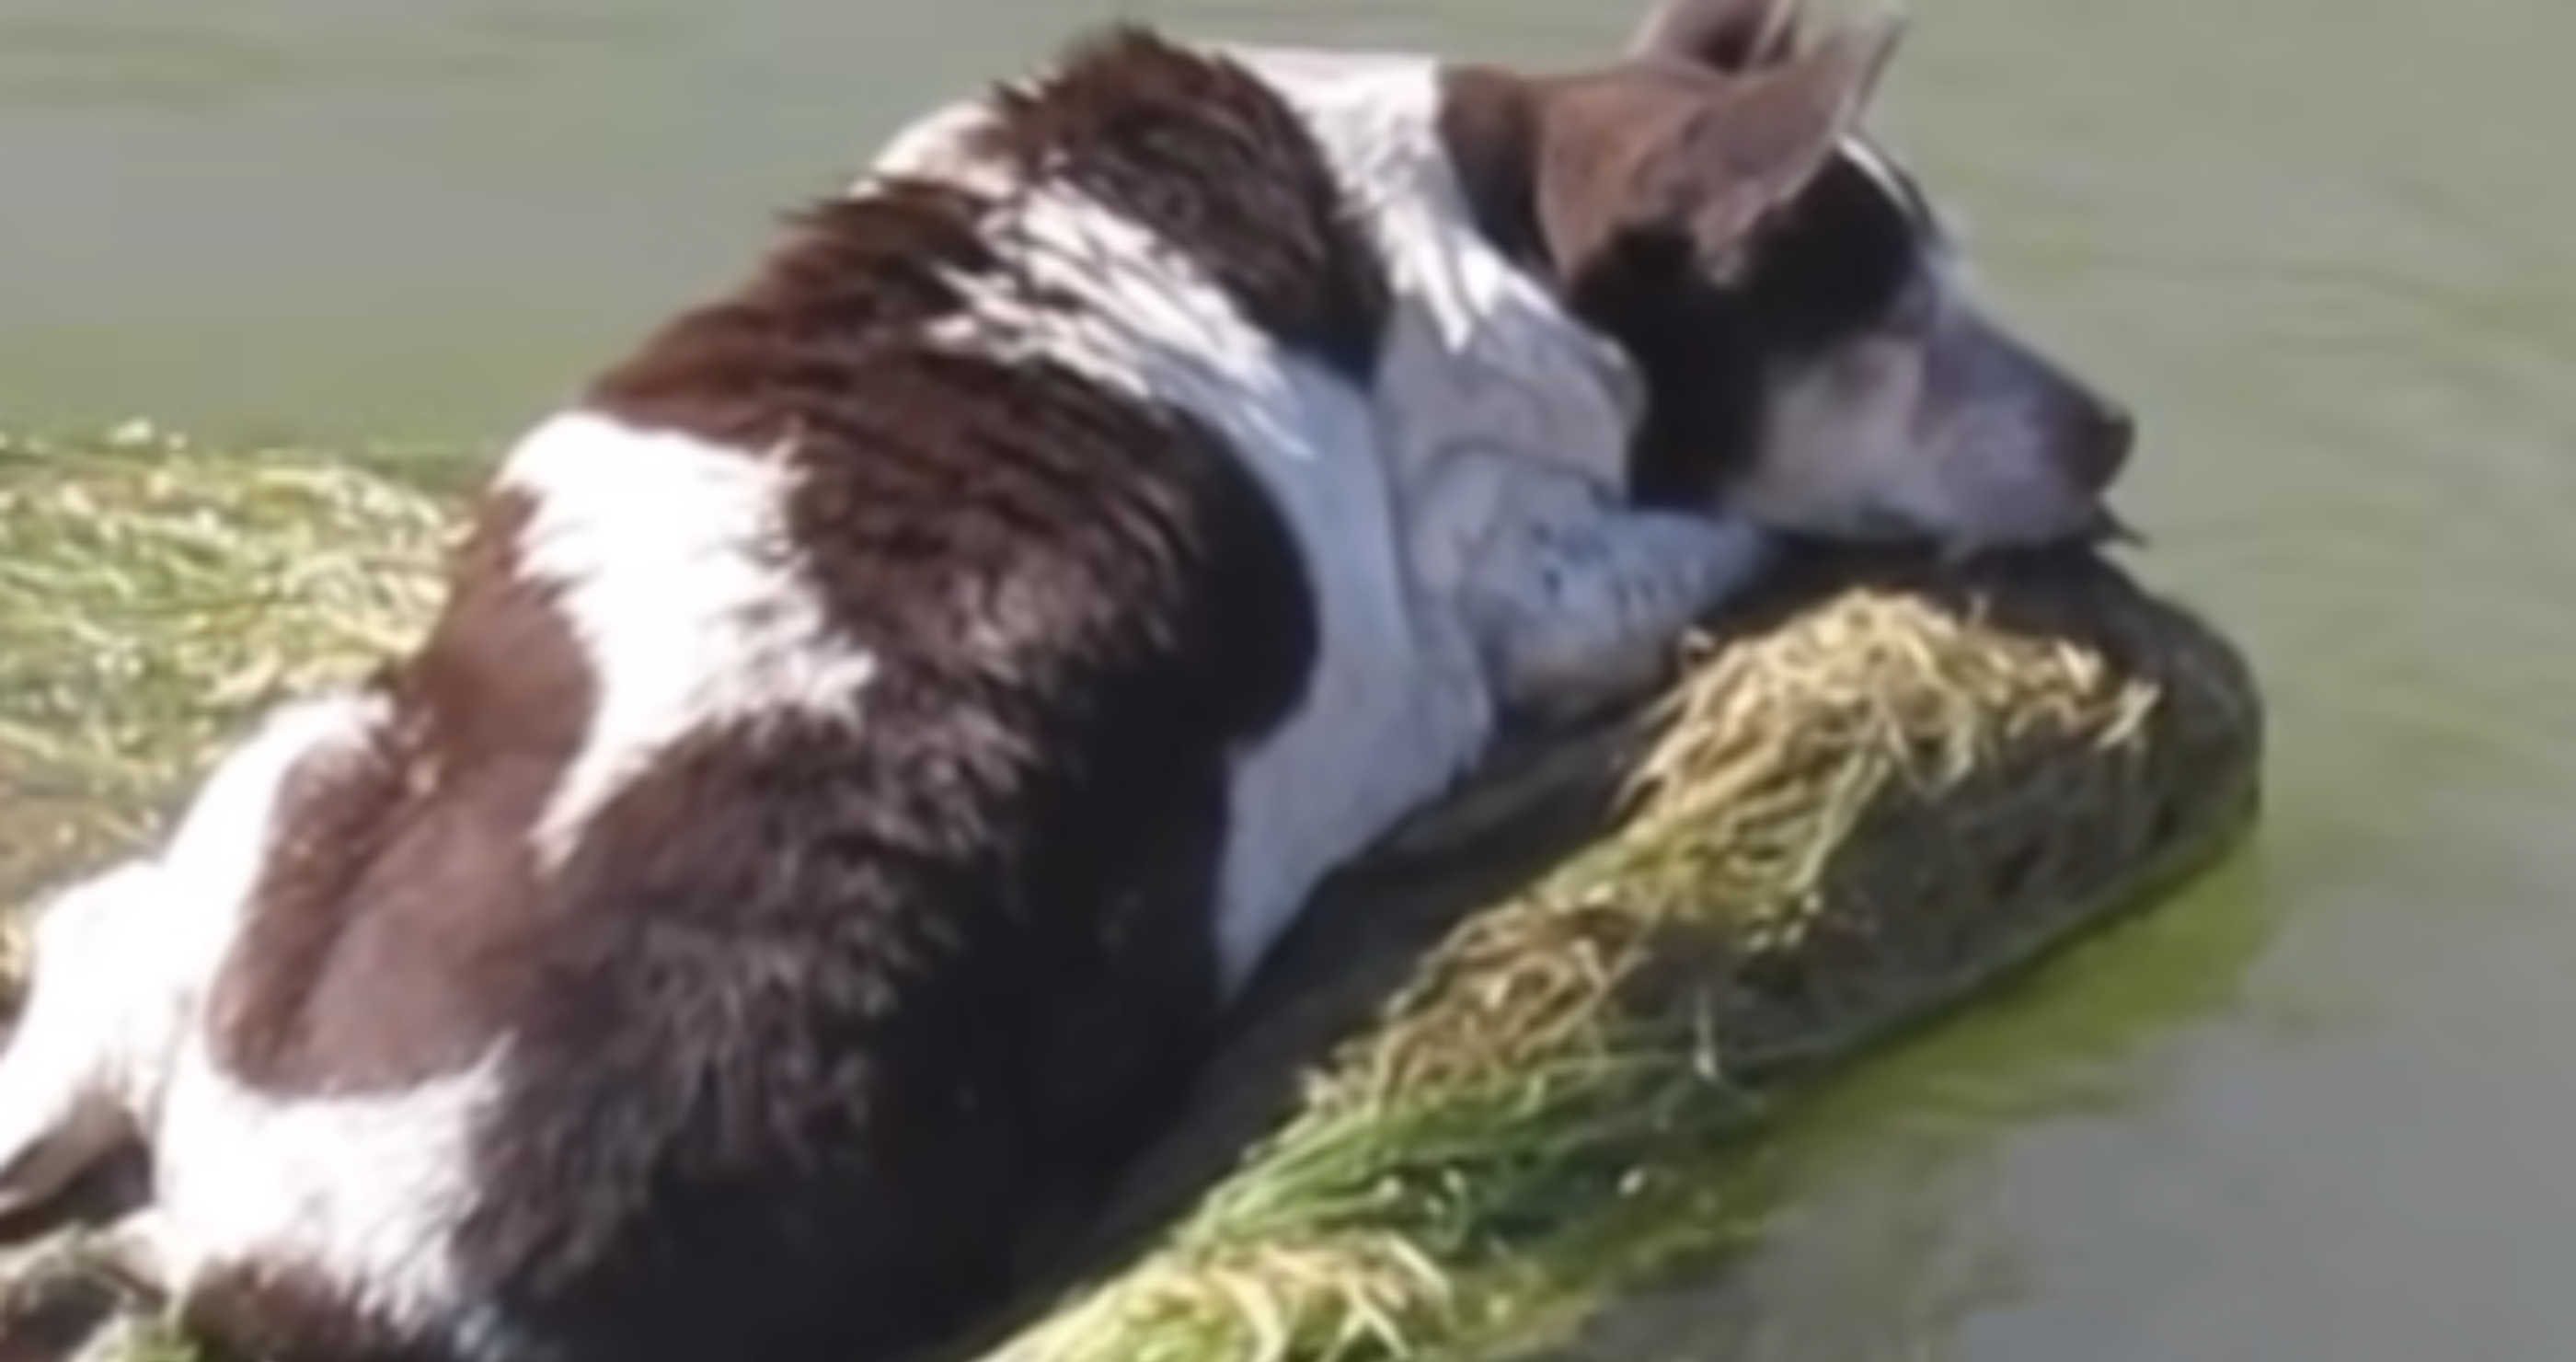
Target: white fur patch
363	1191
1480	355
1480	363
671	564
932	147
1394	705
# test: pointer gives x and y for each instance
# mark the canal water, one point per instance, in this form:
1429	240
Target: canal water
2314	1111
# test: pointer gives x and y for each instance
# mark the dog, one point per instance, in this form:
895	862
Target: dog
871	734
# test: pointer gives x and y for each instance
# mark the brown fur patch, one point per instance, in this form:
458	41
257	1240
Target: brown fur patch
851	276
374	925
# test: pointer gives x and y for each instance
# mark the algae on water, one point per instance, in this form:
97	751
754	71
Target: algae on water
1495	1067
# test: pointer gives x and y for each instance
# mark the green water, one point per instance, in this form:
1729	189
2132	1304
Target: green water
2317	1111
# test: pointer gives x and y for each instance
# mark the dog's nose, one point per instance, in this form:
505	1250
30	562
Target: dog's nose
2103	433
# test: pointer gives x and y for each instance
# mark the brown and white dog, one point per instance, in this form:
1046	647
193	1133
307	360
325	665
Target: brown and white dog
874	731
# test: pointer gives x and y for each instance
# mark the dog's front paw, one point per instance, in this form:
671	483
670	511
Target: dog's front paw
1589	615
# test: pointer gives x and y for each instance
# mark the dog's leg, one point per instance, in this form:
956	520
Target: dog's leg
1576	601
60	1111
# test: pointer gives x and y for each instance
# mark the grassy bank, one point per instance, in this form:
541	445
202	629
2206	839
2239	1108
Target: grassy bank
1498	1067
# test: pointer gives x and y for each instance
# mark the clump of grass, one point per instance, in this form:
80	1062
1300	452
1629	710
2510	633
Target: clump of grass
1499	1064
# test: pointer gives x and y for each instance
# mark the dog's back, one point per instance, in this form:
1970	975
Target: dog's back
786	872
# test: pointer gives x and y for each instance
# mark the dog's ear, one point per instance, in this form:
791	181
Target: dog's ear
1715	175
1724	35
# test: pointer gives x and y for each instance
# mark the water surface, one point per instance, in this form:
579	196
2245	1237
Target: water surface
2317	1110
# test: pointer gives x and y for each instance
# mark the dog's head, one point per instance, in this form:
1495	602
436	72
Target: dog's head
1813	358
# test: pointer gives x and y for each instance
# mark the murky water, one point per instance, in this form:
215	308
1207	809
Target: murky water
2318	1111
